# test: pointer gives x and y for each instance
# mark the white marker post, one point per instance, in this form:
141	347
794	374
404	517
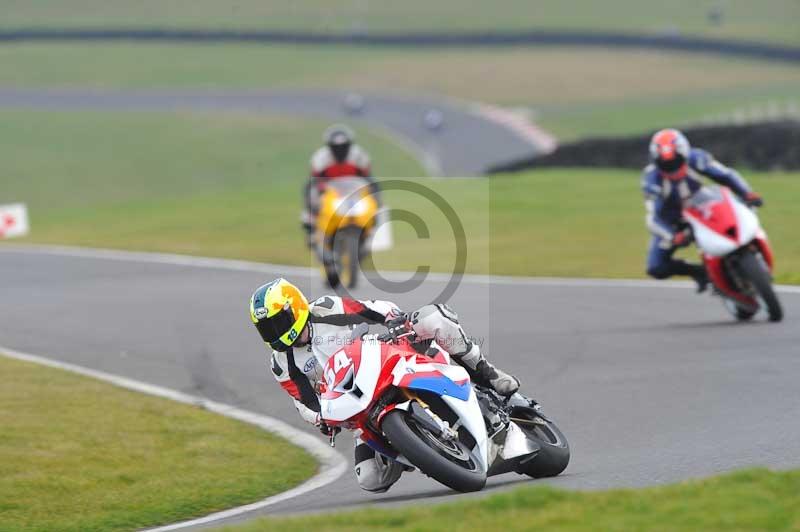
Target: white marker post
382	237
13	220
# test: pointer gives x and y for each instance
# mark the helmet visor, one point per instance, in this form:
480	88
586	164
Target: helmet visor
340	151
273	327
670	165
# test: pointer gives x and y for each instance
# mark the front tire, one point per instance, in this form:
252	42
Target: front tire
740	313
754	270
346	256
456	468
331	275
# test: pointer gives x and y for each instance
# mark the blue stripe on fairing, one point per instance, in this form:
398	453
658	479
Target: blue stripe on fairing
441	386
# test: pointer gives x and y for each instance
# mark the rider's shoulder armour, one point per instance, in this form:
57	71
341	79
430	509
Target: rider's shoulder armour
326	306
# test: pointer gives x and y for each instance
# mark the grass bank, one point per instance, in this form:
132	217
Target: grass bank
78	454
572	91
230	186
757	500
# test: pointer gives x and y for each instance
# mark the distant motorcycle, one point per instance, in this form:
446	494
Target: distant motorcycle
425	413
344	224
735	251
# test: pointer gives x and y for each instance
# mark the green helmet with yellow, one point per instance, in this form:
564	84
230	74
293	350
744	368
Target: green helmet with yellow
279	311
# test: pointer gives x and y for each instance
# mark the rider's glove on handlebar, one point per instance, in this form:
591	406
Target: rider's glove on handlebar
327	430
396	328
754	199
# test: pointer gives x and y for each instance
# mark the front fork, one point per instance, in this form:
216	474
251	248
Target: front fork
422	412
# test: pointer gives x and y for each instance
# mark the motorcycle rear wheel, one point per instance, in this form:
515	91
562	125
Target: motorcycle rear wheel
753	269
448	462
554	455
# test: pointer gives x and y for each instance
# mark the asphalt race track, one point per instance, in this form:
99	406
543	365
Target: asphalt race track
467	143
649	382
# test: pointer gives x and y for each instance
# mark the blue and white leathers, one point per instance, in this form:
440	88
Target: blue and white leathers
664	199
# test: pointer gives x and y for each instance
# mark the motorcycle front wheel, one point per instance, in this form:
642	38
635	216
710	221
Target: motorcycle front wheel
756	272
346	253
449	462
740	313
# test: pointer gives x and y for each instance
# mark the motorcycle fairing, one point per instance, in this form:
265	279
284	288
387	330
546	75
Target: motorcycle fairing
721	223
338	404
716	274
765	249
377	366
441	379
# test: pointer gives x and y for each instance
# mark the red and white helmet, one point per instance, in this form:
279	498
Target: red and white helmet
669	150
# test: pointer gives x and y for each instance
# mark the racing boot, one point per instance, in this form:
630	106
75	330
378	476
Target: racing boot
695	271
485	374
698	273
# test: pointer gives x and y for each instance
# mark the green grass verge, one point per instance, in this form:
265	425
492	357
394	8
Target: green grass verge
591	223
751	500
771	20
62	161
77	454
573	91
229	186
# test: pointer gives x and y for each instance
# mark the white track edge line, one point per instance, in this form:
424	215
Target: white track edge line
332	463
263	267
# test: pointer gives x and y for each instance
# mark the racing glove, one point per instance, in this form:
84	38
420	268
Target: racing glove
324	428
753	199
396	328
328	430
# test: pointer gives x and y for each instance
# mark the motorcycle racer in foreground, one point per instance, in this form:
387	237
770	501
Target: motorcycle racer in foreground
339	157
674	175
303	336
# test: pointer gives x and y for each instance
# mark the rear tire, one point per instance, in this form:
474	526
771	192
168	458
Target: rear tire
405	436
753	269
554	455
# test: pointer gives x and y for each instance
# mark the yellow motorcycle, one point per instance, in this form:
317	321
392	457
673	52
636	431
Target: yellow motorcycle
344	225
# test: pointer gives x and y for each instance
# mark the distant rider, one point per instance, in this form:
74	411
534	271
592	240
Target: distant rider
304	336
674	175
339	157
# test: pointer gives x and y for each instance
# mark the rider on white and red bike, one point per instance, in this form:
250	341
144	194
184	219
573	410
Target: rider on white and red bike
674	174
303	336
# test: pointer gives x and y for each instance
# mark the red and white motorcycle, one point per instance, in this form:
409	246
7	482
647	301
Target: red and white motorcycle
425	413
735	251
